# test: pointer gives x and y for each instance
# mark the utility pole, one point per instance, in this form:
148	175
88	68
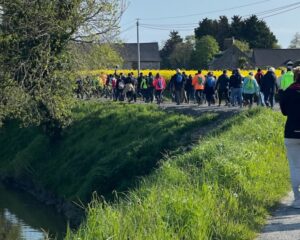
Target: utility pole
138	45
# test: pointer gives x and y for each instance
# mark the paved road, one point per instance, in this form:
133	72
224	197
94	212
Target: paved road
284	224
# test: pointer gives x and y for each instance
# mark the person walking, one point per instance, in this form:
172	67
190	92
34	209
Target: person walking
178	85
236	81
144	89
188	88
290	107
198	84
250	88
209	88
269	87
222	87
258	77
150	87
287	79
159	84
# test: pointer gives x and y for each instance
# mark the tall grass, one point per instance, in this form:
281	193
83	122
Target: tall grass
220	190
107	147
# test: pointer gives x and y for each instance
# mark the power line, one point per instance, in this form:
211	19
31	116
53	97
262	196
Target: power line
273	9
275	14
209	12
127	29
187	26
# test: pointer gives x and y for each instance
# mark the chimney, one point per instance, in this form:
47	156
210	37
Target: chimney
228	42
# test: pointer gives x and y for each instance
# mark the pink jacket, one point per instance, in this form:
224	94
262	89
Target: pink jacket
159	83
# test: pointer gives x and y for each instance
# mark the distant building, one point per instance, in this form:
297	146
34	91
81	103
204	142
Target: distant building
275	57
150	58
233	58
230	59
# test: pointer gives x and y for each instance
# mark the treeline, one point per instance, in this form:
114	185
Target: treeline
208	40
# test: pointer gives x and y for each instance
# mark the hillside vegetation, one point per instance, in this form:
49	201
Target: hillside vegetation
106	148
220	190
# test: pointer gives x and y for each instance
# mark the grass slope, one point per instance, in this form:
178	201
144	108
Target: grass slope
220	190
106	148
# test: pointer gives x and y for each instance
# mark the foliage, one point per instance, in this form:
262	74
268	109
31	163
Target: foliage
34	61
242	45
206	48
219	29
169	48
252	30
295	43
243	62
106	148
219	190
93	56
181	55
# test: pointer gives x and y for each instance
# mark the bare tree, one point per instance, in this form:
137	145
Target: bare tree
295	43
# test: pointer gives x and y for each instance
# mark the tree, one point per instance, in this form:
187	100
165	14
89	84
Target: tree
252	30
219	29
169	48
242	45
93	56
206	48
35	67
295	43
181	56
257	33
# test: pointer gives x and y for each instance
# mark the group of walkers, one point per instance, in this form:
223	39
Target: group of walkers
233	89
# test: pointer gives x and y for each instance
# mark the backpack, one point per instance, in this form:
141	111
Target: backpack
144	84
210	82
200	80
160	83
121	85
178	78
250	84
150	81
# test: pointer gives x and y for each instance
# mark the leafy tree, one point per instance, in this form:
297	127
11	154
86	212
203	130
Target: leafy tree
94	56
242	45
257	33
252	30
169	48
181	56
295	43
206	48
223	31
35	62
236	27
219	29
206	27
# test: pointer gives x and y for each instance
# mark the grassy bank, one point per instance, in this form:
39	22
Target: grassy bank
107	147
220	190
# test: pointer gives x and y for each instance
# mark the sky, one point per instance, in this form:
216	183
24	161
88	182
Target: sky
159	17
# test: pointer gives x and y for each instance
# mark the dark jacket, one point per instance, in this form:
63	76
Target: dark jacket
188	84
223	83
236	81
290	107
178	81
268	83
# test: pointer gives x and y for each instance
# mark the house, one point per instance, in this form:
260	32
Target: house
233	58
275	57
149	57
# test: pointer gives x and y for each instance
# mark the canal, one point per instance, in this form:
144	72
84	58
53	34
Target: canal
24	218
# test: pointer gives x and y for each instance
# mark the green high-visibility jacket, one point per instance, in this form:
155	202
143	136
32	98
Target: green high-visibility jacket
286	80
